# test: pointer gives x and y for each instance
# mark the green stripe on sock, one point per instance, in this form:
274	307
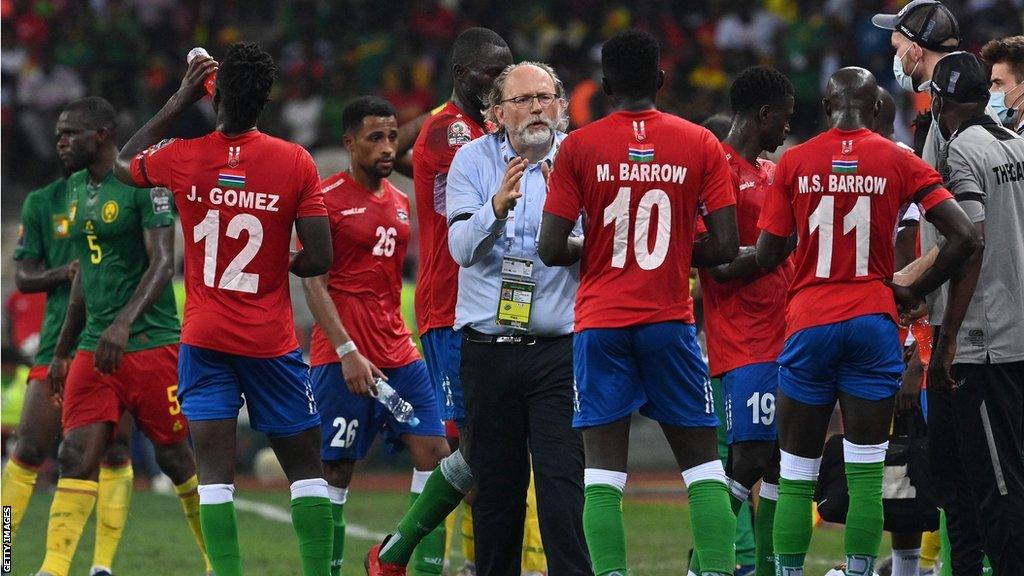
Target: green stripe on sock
602	525
220	532
764	521
864	517
313	522
428	557
433	505
338	549
714	526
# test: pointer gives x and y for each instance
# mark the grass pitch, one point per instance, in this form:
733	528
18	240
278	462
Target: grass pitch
157	541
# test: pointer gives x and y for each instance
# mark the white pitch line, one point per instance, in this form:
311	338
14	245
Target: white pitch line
278	514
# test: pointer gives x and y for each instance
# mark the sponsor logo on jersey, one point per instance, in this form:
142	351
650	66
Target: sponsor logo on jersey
641	153
229	178
353	211
61	226
109	212
402	215
844	165
458	134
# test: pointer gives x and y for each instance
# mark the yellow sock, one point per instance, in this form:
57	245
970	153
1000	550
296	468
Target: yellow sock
71	508
534	559
112	502
468	542
449	534
188	493
18	482
930	544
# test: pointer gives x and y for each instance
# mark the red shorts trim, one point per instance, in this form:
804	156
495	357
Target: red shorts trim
38	373
145	384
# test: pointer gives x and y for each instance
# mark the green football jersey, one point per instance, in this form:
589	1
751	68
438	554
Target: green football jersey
44	236
107	223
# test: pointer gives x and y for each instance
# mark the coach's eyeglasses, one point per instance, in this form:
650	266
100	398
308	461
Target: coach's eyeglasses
524	101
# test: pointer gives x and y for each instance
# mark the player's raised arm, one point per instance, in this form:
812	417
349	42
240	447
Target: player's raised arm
191	90
160	252
315	257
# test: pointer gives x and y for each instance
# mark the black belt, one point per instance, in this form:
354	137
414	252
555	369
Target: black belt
477	337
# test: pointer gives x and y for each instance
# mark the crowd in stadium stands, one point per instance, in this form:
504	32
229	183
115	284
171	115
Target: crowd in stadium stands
132	52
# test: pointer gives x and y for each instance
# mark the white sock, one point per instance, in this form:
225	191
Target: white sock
592	476
337	495
419	480
310	487
216	493
905	562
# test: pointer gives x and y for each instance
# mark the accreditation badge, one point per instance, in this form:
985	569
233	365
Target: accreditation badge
515	300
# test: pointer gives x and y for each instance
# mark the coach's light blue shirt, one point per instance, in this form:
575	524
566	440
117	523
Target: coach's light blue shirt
478	244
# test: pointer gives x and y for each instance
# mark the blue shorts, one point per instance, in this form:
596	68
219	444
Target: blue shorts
750	402
861	356
212	385
656	368
351	422
442	351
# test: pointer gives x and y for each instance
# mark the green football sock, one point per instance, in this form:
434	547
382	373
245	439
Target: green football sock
602	525
737	506
714	528
313	523
793	524
944	558
864	517
764	520
436	502
338	549
428	557
220	532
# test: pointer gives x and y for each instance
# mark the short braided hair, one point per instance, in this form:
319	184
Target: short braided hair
244	80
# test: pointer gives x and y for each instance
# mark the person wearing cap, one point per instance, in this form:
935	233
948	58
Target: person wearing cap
978	356
922	33
516	319
1006	57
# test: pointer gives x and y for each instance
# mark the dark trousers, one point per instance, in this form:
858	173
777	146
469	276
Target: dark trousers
989	407
519	405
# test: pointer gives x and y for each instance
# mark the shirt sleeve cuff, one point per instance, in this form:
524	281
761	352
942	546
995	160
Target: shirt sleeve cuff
486	221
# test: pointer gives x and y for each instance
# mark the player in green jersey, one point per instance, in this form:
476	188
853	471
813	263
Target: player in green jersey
44	263
122	308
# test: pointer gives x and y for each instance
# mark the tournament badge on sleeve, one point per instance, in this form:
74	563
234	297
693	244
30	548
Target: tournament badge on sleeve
515	302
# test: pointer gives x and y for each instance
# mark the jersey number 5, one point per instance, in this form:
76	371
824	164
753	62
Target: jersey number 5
233	278
859	219
618	212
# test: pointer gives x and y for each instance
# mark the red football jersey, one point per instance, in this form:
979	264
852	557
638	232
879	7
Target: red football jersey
371	237
437	283
639	179
746	318
841	192
238	199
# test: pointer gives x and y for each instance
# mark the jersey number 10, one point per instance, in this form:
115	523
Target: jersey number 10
233	278
618	212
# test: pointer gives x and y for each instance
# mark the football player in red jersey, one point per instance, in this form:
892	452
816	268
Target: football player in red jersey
745	316
360	334
641	176
841	193
239	192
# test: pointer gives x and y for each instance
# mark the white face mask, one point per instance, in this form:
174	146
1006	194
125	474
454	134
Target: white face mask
905	80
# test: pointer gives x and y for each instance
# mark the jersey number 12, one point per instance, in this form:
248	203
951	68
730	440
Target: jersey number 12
233	278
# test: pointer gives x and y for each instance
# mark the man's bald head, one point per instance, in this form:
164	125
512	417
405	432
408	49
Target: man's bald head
886	120
852	92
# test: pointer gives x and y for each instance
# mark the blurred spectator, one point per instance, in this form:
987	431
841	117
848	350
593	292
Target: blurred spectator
301	114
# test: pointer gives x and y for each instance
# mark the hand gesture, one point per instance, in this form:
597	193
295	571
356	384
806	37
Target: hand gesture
111	346
359	373
57	374
505	199
193	84
910	305
939	369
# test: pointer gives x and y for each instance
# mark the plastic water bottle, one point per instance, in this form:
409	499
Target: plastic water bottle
389	397
211	80
922	332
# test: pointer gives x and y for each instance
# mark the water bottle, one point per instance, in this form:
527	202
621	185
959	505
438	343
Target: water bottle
211	80
389	397
922	332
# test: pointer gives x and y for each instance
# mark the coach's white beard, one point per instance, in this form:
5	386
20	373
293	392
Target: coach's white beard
535	136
